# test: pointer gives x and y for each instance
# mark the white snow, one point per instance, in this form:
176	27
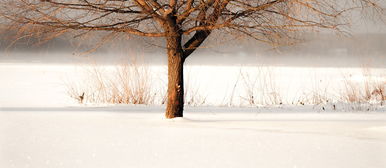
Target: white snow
41	127
34	85
138	136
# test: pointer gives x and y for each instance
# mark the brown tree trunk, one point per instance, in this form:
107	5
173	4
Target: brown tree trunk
175	102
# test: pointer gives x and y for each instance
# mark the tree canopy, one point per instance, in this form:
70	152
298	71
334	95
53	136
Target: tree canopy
263	20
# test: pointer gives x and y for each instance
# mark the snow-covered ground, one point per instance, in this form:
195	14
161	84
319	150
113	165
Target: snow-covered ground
138	136
42	127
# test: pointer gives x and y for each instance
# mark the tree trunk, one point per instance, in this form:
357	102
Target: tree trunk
175	102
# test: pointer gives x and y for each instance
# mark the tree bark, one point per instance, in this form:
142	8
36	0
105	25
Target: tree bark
175	102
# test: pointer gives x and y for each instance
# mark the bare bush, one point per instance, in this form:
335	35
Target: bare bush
125	84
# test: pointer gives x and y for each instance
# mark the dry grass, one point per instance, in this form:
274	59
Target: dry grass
133	83
129	83
360	92
193	97
318	94
260	87
232	94
369	89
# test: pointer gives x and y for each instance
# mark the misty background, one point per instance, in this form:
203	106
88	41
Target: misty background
365	45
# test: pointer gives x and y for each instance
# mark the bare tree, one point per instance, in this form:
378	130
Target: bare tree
184	24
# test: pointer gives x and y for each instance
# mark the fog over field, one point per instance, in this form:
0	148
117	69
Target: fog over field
314	50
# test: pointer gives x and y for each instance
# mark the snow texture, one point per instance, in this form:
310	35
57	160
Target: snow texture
138	136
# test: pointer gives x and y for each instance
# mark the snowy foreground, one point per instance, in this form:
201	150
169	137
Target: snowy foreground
41	126
139	136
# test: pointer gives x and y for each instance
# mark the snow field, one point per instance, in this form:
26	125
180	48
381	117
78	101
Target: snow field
138	136
41	126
